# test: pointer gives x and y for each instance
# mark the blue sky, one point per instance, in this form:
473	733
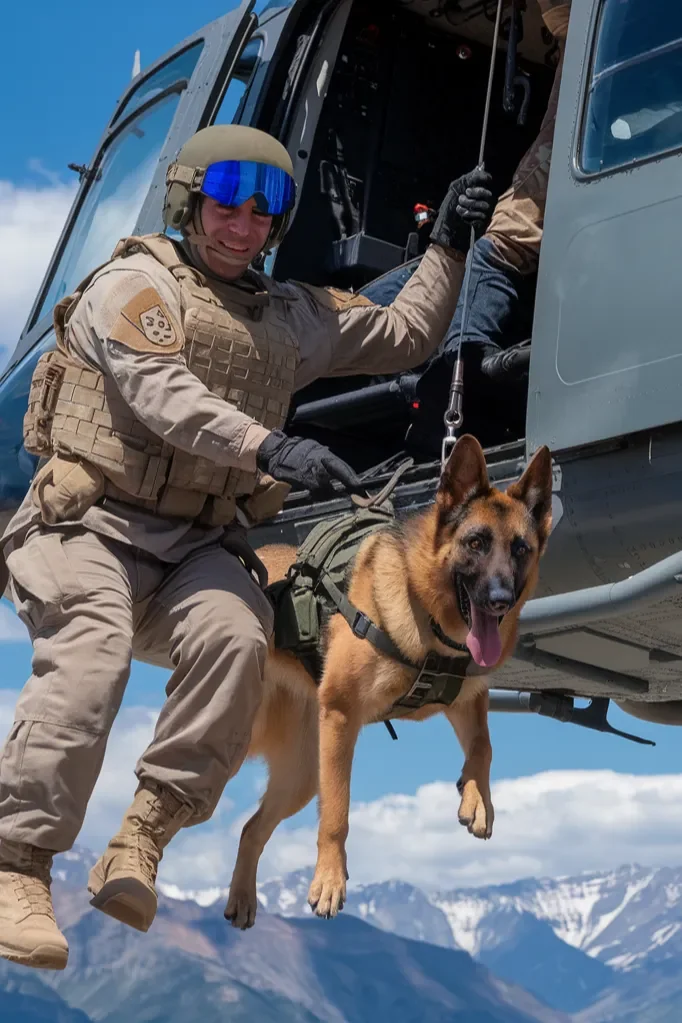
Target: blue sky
68	68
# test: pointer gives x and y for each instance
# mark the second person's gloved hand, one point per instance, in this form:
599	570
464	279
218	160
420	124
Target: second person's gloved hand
296	460
468	203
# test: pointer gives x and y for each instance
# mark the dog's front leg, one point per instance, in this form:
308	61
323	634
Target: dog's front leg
339	729
470	722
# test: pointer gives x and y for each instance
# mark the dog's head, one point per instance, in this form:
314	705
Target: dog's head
489	543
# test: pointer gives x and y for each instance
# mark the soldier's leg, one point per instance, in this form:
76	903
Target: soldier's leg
517	222
383	290
212	623
73	593
504	263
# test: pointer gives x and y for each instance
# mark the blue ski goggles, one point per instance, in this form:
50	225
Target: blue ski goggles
233	182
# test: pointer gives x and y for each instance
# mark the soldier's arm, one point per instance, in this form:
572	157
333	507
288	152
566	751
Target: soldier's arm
367	338
133	334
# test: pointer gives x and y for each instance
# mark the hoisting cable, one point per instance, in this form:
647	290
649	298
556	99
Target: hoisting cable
453	417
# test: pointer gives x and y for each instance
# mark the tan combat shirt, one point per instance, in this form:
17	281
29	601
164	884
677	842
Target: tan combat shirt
173	403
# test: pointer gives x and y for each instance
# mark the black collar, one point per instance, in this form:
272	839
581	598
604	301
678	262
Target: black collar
444	639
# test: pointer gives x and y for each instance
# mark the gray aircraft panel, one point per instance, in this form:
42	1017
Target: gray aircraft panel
606	358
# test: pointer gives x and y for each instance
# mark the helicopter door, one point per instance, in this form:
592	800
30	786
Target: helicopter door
606	353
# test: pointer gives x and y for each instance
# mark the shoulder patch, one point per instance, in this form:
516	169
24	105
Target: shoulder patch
145	324
334	298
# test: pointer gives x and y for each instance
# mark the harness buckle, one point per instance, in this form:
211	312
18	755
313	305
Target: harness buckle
433	684
418	691
361	625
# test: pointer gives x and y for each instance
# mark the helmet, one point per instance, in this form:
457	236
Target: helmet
220	144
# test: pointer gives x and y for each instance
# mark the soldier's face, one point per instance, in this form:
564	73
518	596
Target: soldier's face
236	234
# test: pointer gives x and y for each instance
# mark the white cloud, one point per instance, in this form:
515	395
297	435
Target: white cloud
549	824
31	219
116	785
115	788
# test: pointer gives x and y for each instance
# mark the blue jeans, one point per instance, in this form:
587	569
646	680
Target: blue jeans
499	300
499	315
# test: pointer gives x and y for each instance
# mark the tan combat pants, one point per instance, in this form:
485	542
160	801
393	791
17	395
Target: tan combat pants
88	601
517	222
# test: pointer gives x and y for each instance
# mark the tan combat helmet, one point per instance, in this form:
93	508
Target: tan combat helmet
212	148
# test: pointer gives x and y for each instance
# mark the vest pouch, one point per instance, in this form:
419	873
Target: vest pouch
42	400
175	503
65	489
297	617
266	501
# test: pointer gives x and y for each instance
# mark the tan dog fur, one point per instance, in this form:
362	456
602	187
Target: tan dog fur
399	578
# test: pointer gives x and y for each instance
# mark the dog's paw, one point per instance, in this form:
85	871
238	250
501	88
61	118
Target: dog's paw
241	907
327	893
476	812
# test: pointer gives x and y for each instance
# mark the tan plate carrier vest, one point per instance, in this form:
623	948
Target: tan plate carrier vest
237	343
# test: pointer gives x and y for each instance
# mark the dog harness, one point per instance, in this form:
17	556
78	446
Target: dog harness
315	588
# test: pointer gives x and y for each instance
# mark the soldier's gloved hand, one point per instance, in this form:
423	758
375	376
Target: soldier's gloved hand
468	203
304	462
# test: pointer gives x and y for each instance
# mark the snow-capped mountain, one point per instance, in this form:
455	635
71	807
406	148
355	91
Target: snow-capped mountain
72	868
393	906
624	918
600	945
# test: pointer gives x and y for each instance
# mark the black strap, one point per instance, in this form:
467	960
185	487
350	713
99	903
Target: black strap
361	625
439	677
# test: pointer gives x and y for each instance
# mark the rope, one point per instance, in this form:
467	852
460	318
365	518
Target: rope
453	417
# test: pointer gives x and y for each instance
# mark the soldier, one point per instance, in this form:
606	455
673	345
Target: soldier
503	275
160	414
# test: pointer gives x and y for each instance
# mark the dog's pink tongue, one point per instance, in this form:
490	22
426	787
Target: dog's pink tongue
485	645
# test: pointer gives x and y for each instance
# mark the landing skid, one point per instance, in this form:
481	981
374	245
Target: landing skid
561	708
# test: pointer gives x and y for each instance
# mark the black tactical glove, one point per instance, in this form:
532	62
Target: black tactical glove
306	463
469	203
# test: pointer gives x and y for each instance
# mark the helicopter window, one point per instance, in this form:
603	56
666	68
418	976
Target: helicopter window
115	197
180	66
634	108
236	91
630	29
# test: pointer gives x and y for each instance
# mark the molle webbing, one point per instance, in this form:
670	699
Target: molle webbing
237	342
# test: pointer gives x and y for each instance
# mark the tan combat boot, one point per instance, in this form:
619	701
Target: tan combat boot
122	880
28	930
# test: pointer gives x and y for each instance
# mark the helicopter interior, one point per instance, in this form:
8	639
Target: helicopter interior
402	117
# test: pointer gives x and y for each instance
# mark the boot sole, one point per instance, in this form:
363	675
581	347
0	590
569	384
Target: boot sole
44	957
127	901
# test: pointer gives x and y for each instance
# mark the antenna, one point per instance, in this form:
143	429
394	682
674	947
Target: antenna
136	63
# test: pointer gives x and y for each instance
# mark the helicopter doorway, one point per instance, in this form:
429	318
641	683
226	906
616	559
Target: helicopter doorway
401	118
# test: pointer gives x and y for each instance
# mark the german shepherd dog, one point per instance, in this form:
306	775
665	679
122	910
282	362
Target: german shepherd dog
469	563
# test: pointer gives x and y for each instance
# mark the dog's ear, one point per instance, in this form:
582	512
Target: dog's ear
464	476
535	490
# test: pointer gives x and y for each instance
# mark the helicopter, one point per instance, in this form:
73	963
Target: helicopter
357	90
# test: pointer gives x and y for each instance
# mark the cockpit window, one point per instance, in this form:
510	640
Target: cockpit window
122	180
180	67
634	106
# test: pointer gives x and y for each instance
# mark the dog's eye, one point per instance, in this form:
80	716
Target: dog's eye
475	543
520	549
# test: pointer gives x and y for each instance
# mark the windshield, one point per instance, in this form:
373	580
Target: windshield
115	197
181	67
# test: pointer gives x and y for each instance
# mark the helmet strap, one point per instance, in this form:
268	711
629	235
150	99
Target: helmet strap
197	241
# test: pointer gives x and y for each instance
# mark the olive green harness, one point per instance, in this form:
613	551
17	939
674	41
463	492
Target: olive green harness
315	588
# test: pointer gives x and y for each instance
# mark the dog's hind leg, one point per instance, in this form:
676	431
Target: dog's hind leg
470	722
291	754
